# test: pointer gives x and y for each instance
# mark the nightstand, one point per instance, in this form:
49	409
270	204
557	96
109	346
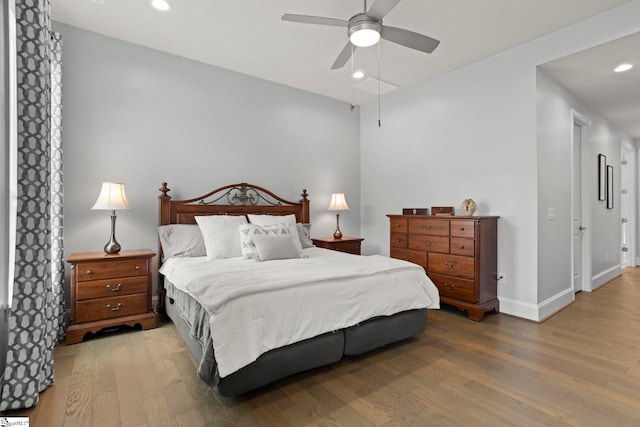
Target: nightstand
349	245
108	291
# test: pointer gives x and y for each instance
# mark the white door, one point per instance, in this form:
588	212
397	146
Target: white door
577	228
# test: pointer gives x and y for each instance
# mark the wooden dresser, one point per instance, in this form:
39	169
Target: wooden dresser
459	254
108	291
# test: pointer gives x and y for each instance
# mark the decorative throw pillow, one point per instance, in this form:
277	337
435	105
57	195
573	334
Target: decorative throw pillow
220	233
304	231
270	247
249	231
278	219
181	240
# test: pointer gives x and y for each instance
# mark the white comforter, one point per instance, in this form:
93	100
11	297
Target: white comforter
255	307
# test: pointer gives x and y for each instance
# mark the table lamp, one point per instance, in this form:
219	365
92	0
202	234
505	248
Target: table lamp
112	198
338	203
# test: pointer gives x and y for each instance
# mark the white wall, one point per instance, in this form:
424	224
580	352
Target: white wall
140	116
473	133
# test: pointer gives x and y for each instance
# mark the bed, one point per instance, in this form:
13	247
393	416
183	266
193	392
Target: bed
252	323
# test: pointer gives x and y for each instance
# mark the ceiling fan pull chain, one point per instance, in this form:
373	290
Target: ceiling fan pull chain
379	77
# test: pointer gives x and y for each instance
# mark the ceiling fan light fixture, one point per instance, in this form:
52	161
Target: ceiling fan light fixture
364	37
363	30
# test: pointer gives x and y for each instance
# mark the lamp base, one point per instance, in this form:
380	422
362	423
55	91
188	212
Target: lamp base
112	246
337	234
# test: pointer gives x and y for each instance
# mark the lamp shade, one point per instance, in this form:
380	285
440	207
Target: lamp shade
338	202
111	197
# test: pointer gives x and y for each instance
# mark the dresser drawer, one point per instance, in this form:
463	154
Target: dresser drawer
454	287
415	257
460	246
112	287
426	242
398	240
453	265
110	269
463	229
108	308
398	225
429	226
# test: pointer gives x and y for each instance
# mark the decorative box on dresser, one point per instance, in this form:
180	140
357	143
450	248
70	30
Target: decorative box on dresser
108	291
350	245
459	254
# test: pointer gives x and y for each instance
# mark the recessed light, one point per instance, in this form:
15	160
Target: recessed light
162	5
622	68
358	74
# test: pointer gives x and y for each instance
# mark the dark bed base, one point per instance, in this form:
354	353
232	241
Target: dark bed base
312	353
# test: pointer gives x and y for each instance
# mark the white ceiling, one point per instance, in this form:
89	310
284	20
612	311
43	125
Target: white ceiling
248	36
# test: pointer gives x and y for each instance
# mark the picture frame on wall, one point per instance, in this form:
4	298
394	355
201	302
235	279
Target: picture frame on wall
602	177
609	187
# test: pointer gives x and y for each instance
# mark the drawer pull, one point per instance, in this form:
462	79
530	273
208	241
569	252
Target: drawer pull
461	246
398	225
117	288
449	265
461	228
426	227
137	267
89	272
427	243
398	240
449	286
114	308
408	258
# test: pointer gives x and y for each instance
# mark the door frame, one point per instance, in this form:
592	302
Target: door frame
631	188
584	123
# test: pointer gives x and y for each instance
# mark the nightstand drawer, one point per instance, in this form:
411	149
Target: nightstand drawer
429	226
425	242
454	287
453	265
398	240
108	308
112	287
110	269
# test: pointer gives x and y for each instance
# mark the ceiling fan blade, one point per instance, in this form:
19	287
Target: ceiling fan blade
409	39
344	56
319	20
381	7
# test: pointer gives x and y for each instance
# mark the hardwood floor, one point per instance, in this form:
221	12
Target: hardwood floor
580	368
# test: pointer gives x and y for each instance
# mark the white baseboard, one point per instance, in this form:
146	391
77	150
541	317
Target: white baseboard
605	276
537	312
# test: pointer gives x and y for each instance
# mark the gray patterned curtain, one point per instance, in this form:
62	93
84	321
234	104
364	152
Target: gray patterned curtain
35	324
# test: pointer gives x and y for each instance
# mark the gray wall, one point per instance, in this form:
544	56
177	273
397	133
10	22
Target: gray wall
140	116
473	133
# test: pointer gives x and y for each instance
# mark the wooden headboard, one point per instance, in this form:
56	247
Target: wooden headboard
233	199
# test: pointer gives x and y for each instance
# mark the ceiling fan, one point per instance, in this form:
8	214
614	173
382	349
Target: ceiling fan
365	29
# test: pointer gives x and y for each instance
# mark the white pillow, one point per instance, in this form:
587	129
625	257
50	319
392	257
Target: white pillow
220	234
249	231
181	240
269	247
278	219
